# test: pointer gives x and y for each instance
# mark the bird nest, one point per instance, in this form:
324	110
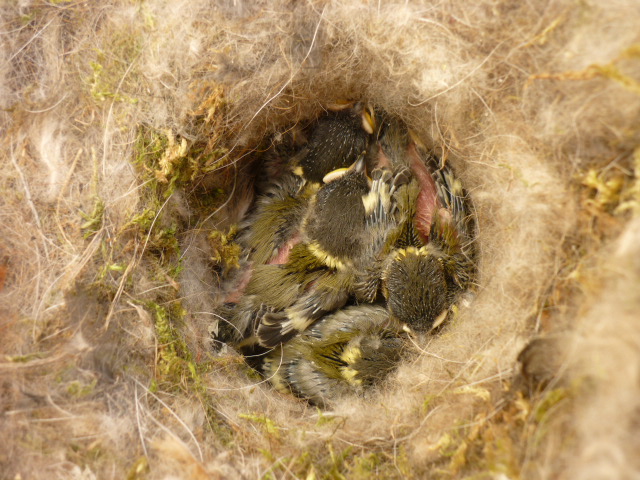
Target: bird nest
358	239
142	141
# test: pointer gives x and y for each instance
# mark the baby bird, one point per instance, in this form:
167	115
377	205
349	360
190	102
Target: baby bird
431	258
345	353
270	289
348	217
267	235
420	284
273	228
418	200
347	224
337	141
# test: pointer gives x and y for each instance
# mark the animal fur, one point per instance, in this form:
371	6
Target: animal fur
535	105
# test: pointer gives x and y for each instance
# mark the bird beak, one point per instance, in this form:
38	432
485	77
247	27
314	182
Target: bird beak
416	139
339	105
406	328
439	319
334	175
358	166
368	120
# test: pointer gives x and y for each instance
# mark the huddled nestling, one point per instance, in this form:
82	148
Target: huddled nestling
359	241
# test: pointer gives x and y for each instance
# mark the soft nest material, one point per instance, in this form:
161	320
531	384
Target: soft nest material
128	131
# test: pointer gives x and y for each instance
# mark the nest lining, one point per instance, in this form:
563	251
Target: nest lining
536	113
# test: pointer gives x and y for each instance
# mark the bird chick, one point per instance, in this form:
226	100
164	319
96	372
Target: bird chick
418	199
421	282
349	216
447	261
273	227
268	234
431	256
347	224
417	284
270	289
345	353
337	140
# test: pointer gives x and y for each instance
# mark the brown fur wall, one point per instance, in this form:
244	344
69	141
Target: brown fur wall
107	284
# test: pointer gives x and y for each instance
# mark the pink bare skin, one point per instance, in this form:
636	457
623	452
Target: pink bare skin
235	295
281	257
427	201
283	252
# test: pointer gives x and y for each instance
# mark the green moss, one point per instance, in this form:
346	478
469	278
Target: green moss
226	252
93	220
323	419
25	358
366	466
143	220
606	189
378	464
113	74
146	248
153	386
268	425
173	354
167	161
337	465
428	403
176	368
163	242
610	71
79	389
337	462
548	402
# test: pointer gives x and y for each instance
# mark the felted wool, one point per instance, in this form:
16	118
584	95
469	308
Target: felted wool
130	133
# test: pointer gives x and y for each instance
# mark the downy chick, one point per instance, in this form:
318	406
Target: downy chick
273	228
346	226
267	236
432	258
337	141
344	353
